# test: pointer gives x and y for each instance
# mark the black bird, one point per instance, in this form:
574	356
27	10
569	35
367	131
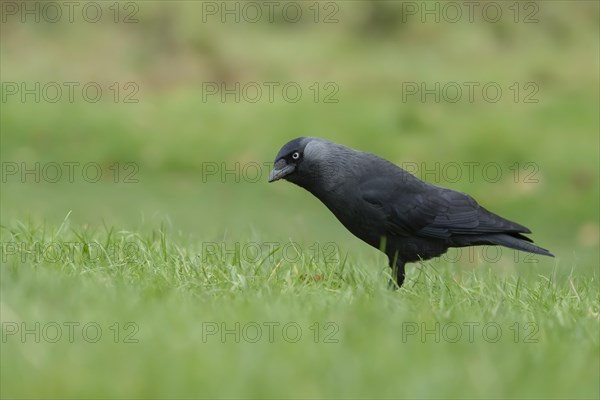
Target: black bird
390	209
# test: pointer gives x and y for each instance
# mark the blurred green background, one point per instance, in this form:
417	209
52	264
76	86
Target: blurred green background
363	55
171	134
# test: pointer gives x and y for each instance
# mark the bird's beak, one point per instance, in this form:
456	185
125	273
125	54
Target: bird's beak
280	170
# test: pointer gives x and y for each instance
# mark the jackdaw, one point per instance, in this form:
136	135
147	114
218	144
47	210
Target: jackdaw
390	209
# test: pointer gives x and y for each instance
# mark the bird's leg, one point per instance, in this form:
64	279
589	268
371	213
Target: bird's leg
398	271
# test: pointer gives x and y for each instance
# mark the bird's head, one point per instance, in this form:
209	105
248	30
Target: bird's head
305	161
290	160
313	163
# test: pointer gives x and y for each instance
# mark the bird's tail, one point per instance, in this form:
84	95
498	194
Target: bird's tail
517	242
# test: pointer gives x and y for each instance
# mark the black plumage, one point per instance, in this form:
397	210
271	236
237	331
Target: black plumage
390	209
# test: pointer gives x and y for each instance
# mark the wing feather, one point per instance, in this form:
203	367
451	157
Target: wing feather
421	209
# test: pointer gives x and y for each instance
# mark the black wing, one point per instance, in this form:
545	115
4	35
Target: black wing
416	208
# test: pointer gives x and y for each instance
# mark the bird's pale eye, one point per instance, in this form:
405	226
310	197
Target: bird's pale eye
295	156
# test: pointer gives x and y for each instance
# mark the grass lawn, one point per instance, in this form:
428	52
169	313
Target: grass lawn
162	315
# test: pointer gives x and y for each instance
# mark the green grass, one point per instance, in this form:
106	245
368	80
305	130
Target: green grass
490	331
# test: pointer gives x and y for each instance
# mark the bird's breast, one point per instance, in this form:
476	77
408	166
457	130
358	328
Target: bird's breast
362	220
